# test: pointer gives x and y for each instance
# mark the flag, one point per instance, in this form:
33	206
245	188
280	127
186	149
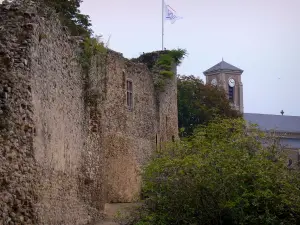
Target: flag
170	14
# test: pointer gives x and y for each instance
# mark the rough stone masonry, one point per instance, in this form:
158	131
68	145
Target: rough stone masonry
68	141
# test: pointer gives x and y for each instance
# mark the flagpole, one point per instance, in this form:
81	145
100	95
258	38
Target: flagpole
162	25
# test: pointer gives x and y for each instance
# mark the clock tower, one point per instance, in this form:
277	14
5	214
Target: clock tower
227	77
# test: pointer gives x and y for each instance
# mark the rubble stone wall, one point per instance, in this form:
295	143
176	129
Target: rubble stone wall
68	142
18	169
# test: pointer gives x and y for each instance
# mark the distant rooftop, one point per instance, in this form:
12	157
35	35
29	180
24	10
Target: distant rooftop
274	122
222	66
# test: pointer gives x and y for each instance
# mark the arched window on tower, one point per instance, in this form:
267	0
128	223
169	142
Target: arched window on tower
231	93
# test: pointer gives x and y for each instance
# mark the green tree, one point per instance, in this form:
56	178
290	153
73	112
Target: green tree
70	15
199	103
222	174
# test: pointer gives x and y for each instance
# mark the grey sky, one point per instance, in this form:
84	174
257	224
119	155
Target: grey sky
259	36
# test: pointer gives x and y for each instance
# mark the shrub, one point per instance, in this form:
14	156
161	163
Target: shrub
222	174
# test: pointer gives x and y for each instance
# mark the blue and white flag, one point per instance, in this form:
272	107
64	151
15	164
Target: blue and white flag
170	14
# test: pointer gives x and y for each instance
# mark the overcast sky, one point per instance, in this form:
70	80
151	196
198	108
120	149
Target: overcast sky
259	36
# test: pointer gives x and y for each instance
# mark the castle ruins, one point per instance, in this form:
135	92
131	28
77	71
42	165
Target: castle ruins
69	141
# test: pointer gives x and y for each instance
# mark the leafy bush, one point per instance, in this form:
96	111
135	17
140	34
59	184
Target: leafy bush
223	174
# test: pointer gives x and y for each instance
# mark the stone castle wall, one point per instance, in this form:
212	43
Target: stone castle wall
167	111
18	170
128	135
59	118
68	143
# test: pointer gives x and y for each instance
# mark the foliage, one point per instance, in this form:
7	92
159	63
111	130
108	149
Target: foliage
91	46
70	15
169	58
79	25
199	103
167	74
177	55
221	175
165	63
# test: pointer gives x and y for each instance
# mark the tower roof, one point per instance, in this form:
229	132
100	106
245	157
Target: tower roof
222	66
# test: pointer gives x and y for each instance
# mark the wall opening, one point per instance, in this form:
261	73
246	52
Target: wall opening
123	79
290	162
231	93
129	94
160	144
166	122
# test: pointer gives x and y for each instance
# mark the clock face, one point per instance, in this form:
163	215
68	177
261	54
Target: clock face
214	82
231	82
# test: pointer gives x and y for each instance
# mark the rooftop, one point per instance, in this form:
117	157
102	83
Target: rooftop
274	122
222	66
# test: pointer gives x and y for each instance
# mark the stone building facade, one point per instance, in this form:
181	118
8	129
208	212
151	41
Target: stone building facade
286	128
72	141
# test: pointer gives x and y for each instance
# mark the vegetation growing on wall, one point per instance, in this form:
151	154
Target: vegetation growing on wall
70	16
91	46
79	24
162	64
165	63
